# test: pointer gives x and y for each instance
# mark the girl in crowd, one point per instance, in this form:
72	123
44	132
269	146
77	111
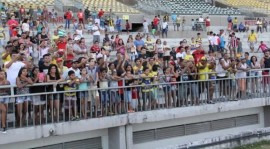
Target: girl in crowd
22	82
38	100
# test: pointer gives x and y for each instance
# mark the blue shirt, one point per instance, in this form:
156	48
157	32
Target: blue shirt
139	43
174	16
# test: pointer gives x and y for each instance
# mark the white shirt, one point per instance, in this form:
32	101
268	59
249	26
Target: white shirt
211	39
215	40
13	70
95	30
181	55
164	25
201	19
25	27
145	25
43	51
77	72
79	32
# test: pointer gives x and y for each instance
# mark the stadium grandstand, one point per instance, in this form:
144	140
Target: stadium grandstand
134	74
183	7
254	5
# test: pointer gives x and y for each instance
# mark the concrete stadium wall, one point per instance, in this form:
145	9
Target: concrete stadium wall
117	131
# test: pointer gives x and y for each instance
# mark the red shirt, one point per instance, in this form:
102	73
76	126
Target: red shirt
22	10
62	45
207	22
94	49
69	59
12	24
155	21
100	13
68	15
80	15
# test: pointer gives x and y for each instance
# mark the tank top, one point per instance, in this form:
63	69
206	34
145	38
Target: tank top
23	90
50	88
242	74
220	70
266	63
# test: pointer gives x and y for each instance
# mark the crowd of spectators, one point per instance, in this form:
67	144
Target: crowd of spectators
133	80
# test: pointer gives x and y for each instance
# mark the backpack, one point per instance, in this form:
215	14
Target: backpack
65	16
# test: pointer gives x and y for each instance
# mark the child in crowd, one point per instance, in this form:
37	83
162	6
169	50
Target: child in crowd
262	47
83	87
239	47
70	97
22	102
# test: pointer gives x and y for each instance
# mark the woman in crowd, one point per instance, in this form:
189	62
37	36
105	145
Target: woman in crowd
54	77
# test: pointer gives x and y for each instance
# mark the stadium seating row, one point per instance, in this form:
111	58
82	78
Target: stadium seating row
186	7
106	5
255	5
27	3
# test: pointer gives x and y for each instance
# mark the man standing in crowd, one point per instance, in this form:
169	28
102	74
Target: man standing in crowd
96	32
80	18
86	13
252	39
67	17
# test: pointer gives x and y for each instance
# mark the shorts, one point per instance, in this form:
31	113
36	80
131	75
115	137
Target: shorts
166	89
23	99
81	21
93	93
134	103
70	103
251	44
54	96
266	77
194	90
127	96
38	100
118	28
4	100
104	97
150	53
83	94
183	90
160	55
166	58
114	97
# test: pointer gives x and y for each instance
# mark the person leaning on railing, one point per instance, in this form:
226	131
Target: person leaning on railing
204	68
241	75
265	63
4	101
22	82
232	72
147	93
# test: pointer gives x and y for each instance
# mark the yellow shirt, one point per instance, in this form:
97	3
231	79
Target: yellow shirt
252	37
205	70
136	69
7	59
189	57
55	37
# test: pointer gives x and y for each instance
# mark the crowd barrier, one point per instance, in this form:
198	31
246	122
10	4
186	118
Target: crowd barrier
64	106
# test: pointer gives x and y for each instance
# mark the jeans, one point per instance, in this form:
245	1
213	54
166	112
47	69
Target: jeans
67	24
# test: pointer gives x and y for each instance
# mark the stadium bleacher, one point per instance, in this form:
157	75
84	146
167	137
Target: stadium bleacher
186	7
116	7
255	5
27	3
